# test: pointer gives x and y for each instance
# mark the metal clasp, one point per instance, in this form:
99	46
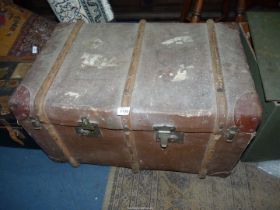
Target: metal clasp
230	133
167	134
35	123
86	128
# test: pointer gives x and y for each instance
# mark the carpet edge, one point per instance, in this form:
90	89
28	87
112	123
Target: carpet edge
109	188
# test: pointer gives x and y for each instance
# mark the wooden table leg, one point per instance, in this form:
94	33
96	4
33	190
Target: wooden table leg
185	10
197	11
225	11
241	6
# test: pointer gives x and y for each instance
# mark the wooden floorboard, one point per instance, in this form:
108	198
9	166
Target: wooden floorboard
247	188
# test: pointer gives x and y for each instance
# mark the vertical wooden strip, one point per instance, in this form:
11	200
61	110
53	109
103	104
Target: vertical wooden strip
221	116
129	85
40	97
208	155
127	94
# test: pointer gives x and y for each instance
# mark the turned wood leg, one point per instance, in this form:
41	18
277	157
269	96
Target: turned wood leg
241	6
225	11
197	11
185	10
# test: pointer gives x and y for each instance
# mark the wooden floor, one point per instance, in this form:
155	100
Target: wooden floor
247	188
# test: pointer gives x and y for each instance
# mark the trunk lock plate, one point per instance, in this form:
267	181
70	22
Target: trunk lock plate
86	128
168	134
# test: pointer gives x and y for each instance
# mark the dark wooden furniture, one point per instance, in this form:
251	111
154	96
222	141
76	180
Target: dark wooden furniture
229	10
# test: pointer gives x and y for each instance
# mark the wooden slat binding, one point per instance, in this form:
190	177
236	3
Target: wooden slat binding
221	116
40	97
127	94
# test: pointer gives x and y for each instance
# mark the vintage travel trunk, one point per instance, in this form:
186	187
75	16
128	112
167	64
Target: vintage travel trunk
165	96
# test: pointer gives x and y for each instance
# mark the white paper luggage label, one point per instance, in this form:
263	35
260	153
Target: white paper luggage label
34	49
123	111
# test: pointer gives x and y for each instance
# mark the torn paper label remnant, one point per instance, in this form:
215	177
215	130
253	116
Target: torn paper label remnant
97	60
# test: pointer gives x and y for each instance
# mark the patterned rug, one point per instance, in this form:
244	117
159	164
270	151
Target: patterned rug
11	74
13	135
22	36
22	33
90	11
247	188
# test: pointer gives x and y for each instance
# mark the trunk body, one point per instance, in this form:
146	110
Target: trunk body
166	96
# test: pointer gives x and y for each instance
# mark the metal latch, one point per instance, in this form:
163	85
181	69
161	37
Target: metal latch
230	133
86	128
167	134
35	123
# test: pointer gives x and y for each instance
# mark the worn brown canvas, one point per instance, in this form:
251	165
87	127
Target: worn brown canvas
166	96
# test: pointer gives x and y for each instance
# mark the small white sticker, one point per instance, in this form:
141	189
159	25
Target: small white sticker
34	49
123	110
